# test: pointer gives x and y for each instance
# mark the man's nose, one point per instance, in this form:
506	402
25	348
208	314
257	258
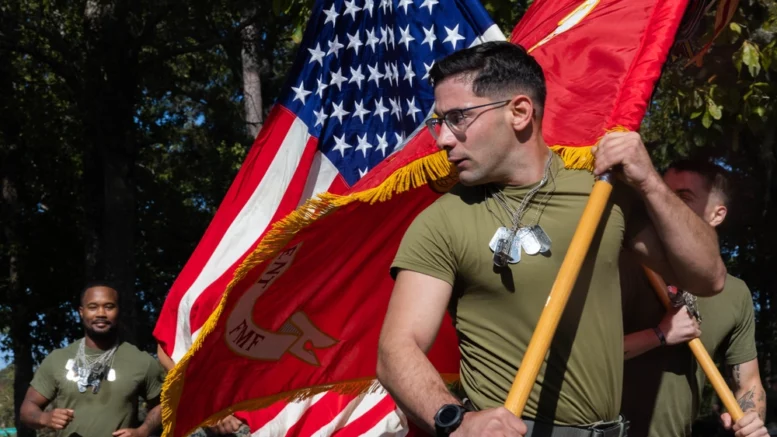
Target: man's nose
446	140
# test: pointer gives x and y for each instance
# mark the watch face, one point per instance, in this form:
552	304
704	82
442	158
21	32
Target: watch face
449	415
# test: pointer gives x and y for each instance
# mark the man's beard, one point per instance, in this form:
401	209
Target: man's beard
110	334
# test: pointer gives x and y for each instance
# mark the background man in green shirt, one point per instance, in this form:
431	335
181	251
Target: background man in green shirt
662	381
458	255
94	383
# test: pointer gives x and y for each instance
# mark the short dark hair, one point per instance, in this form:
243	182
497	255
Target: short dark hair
715	176
497	68
97	283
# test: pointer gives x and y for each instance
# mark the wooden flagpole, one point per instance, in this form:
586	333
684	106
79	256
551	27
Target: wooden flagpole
704	359
559	295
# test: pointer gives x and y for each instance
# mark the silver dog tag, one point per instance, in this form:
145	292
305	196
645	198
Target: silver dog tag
541	237
506	247
529	242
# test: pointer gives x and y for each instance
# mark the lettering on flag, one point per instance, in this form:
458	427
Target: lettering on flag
297	335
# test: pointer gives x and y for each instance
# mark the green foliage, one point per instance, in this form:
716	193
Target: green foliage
6	397
506	13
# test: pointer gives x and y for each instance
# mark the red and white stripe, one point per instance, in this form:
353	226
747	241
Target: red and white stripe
331	414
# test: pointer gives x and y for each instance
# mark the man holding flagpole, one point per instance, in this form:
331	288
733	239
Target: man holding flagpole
662	382
489	250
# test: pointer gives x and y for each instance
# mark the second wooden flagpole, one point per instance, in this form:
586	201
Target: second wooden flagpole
704	359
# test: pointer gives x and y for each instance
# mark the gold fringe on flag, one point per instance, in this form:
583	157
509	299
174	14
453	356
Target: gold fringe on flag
578	158
354	387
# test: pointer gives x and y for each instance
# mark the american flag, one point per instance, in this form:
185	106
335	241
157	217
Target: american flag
361	81
358	89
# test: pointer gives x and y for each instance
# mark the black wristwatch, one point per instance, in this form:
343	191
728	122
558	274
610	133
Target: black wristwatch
448	418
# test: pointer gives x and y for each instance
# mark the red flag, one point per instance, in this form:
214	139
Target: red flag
301	317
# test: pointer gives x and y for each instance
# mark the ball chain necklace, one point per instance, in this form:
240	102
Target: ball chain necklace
89	370
507	242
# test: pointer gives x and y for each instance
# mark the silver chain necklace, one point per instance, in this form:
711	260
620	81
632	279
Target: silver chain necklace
89	370
507	242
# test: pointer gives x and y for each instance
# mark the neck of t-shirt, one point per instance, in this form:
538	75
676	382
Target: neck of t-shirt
102	344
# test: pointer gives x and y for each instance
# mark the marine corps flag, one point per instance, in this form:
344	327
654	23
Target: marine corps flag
303	313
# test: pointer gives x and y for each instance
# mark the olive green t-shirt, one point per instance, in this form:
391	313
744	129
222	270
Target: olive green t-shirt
662	387
115	405
496	310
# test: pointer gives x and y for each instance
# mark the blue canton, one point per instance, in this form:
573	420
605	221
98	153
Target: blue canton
360	80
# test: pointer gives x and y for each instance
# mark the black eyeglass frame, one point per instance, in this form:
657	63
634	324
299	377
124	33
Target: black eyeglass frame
433	121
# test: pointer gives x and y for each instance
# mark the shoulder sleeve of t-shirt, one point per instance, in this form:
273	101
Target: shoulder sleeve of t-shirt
426	245
155	378
741	347
44	381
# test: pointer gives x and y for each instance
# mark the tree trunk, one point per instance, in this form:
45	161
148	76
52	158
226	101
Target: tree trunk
23	362
118	238
111	79
19	331
252	86
767	253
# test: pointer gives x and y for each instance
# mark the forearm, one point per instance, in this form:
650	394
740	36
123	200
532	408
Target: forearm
164	359
414	383
31	415
690	245
153	420
638	343
752	397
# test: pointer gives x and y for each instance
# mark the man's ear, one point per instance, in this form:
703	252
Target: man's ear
522	111
717	215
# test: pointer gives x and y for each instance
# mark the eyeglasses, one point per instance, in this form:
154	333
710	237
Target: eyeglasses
457	120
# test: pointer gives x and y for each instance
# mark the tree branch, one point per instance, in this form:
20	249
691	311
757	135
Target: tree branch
34	27
59	68
178	51
149	28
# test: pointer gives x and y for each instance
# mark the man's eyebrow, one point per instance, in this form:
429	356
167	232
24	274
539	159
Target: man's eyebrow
685	191
442	114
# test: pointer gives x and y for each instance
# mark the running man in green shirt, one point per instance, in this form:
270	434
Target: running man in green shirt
94	383
663	383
